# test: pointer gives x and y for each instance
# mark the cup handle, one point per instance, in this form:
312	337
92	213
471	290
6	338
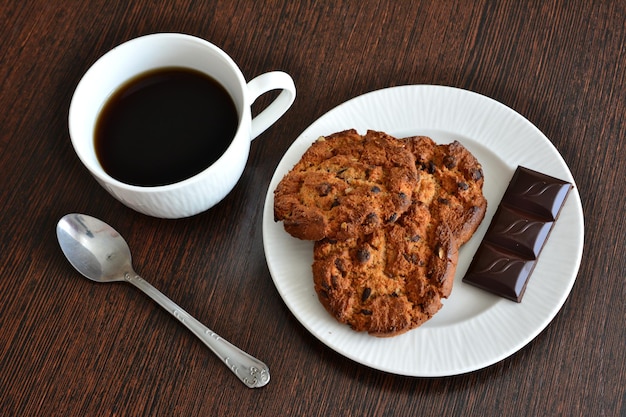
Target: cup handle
274	80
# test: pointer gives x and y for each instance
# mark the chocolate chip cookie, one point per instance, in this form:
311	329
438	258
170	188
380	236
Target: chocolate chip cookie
346	185
395	278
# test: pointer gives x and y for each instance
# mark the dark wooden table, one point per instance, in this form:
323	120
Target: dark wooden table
71	347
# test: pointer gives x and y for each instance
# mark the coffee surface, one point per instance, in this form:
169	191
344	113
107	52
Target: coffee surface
164	126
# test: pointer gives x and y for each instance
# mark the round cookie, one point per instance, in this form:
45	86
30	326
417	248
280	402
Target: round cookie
346	185
394	279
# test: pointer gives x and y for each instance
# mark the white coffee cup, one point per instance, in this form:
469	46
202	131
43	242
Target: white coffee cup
146	53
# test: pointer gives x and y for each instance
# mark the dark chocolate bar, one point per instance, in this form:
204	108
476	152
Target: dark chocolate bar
517	233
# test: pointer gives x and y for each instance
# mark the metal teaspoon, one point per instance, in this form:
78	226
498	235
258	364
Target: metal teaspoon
101	254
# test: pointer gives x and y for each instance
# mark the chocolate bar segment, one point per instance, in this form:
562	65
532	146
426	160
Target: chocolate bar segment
499	271
534	193
517	233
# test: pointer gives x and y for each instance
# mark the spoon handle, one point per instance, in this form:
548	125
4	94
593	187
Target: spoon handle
248	369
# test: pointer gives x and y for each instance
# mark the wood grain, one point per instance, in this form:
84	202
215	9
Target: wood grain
70	347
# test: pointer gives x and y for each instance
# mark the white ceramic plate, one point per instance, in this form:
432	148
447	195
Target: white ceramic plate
474	329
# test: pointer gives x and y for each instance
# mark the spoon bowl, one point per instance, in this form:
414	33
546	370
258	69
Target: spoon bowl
94	248
101	254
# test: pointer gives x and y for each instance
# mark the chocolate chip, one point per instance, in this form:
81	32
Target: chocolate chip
335	203
411	258
431	167
443	200
477	173
375	189
324	189
463	185
366	312
340	266
371	219
416	238
363	255
366	293
392	218
449	161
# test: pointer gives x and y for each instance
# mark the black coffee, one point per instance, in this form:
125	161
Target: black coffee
164	126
